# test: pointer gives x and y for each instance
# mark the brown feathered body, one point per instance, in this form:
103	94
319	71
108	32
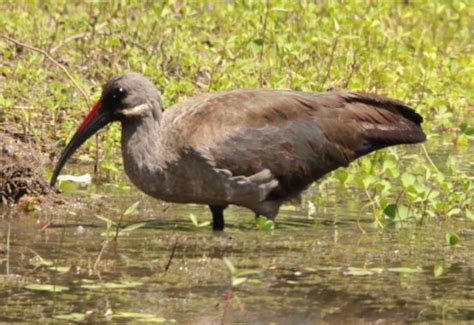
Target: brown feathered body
258	148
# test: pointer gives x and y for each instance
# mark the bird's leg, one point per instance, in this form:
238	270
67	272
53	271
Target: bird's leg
217	217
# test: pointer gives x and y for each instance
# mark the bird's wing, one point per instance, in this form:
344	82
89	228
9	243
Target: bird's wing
298	136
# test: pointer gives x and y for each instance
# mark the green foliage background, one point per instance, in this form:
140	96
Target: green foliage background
420	52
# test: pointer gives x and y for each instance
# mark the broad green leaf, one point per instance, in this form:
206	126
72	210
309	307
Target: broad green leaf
368	181
407	179
258	41
390	211
391	168
452	239
341	175
470	215
466	129
265	224
454	212
469	132
403	212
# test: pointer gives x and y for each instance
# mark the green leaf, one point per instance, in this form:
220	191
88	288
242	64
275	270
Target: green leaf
451	163
229	265
405	269
134	226
366	165
466	129
438	270
112	285
469	132
157	320
131	209
246	273
452	239
390	211
470	215
391	168
73	317
329	268
263	223
362	271
30	207
341	175
194	220
407	180
368	181
238	281
203	224
60	269
107	221
403	212
38	261
140	317
46	287
454	212
258	41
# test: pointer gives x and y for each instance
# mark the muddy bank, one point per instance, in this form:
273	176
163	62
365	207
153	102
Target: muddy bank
22	164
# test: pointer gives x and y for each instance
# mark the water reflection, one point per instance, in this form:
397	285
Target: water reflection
305	271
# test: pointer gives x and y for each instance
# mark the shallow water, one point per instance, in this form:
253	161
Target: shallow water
306	270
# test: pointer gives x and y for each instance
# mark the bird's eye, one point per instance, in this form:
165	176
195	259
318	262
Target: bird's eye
118	93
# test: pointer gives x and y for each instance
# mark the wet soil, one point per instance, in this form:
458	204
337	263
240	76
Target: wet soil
21	169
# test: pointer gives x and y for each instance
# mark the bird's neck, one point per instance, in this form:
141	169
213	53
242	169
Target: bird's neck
141	147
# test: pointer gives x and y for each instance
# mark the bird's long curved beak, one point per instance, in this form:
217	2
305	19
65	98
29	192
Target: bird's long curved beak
93	122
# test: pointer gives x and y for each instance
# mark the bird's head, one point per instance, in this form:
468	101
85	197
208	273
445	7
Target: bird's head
124	97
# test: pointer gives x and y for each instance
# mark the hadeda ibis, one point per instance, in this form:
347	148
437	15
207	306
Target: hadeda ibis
252	148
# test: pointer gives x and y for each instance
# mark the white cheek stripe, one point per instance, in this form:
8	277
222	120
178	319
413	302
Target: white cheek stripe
136	111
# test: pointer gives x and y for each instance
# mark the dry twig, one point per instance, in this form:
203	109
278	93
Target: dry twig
99	256
172	255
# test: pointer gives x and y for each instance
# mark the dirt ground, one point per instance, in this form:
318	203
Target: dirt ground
22	164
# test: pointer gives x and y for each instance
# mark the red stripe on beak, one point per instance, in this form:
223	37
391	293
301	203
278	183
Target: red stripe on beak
93	122
93	113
